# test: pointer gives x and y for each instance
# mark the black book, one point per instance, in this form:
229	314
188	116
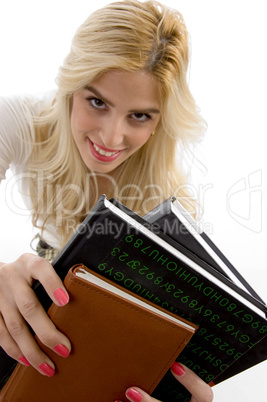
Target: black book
125	248
173	219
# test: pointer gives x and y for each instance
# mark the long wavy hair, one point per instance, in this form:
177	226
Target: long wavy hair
134	36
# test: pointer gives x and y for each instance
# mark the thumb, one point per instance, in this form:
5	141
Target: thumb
199	390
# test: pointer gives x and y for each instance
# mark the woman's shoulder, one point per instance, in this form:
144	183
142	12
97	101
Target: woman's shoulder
24	105
17	116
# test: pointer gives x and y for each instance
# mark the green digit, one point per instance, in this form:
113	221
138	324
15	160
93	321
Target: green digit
231	307
102	266
216	341
247	318
138	243
263	329
207	313
193	303
185	299
230	352
214	318
158	280
150	275
129	238
115	251
201	331
209	378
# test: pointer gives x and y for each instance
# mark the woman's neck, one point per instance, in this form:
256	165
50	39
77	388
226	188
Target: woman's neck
106	184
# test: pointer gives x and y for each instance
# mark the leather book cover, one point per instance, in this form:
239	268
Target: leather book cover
115	344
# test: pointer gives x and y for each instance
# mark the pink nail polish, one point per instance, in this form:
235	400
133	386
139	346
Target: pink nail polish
46	369
61	296
134	395
178	369
24	361
62	350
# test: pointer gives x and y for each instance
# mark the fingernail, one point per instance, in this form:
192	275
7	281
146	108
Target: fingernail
46	369
177	368
24	361
133	395
61	296
62	350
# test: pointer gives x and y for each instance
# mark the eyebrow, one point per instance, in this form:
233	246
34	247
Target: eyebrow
100	96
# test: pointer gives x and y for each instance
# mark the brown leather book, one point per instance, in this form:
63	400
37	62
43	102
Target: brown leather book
116	343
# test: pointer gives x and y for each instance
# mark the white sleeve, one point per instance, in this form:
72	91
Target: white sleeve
16	131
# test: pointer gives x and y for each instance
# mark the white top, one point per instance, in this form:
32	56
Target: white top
17	114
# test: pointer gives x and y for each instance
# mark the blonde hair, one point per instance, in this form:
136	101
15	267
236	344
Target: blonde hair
133	36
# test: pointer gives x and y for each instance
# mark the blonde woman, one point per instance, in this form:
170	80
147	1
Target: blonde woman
120	123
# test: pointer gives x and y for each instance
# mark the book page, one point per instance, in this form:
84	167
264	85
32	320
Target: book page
82	273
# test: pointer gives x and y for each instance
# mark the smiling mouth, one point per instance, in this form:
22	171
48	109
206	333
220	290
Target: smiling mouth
104	153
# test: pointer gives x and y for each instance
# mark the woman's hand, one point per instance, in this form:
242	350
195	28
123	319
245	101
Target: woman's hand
19	306
200	391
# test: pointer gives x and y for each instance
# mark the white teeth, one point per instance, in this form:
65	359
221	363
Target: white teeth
104	153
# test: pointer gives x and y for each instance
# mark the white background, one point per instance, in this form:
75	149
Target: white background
228	80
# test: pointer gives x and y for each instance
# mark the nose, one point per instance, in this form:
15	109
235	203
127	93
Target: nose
113	132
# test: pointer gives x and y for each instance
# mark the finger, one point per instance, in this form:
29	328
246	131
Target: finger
8	343
24	309
200	391
36	357
20	305
40	269
35	315
135	394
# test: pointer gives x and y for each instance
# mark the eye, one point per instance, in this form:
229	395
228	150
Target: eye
96	103
141	116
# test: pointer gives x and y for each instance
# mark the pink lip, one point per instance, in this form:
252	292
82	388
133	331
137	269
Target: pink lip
103	158
106	149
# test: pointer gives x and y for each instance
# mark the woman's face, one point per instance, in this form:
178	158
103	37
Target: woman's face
113	117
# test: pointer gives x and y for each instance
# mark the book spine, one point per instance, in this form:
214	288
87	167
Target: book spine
163	218
231	267
176	230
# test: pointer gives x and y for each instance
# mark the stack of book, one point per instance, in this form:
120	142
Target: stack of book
165	260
